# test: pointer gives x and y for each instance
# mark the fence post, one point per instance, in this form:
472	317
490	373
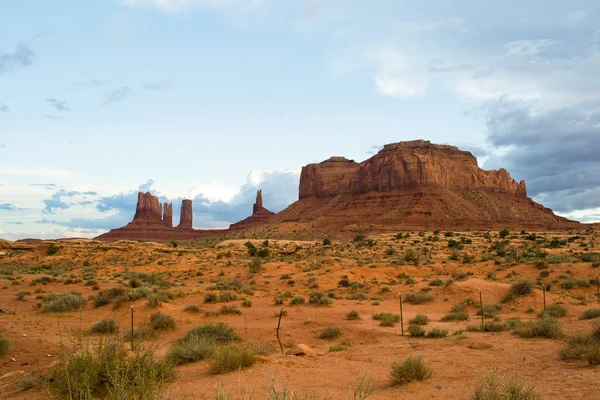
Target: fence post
132	327
401	317
278	326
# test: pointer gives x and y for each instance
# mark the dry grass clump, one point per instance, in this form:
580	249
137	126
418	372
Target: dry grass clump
63	302
497	387
411	369
103	327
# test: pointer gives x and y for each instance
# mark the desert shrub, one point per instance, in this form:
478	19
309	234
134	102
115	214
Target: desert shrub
436	282
105	296
520	288
319	298
487	326
590	314
247	303
456	316
339	347
554	311
261	347
231	358
230	310
504	233
419	319
352	315
220	332
107	366
330	332
52	249
436	333
358	296
211	298
326	242
104	326
416	331
4	345
64	302
192	308
191	349
162	322
496	387
142	333
489	310
546	327
227	296
411	369
21	295
583	347
297	300
418	298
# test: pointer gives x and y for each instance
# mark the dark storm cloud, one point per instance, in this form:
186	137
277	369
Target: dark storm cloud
22	56
116	95
555	151
55	202
58	104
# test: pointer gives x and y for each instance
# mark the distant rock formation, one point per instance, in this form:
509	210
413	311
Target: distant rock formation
413	185
260	215
168	214
148	208
185	220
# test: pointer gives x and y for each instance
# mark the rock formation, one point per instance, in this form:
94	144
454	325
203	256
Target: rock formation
260	215
148	208
185	220
413	185
168	214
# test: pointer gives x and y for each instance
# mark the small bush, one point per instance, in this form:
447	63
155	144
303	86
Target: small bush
64	302
230	310
456	316
489	310
162	322
192	308
104	326
191	349
352	315
436	282
247	303
339	347
105	296
297	300
319	298
330	332
436	333
418	298
387	319
554	311
419	319
220	332
496	387
4	345
590	314
546	327
520	288
231	358
416	331
52	249
411	369
487	326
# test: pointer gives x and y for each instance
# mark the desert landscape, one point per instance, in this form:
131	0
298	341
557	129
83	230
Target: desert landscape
413	274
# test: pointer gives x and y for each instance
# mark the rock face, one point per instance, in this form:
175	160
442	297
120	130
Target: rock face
260	215
185	220
148	208
402	166
413	185
168	215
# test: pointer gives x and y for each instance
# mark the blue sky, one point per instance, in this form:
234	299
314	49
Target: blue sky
211	99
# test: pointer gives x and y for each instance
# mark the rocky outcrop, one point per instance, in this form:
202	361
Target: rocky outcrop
405	166
185	220
260	215
168	214
413	185
148	208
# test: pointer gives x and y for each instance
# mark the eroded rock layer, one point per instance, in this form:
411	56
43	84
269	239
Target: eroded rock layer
260	215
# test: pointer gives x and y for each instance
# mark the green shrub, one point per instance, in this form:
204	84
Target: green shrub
191	349
436	282
387	319
326	242
162	322
419	319
230	310
352	315
104	326
52	249
297	300
339	347
436	333
487	326
496	387
416	331
4	345
489	310
107	366
64	302
231	358
247	303
590	314
520	288
220	332
456	316
211	298
411	369
319	298
192	308
418	298
554	311
105	296
21	295
227	296
330	332
546	327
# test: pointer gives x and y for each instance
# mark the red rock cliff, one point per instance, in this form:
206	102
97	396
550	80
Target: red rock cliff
148	208
168	214
405	165
185	220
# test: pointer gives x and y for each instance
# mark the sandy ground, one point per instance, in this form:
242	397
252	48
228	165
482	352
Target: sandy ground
457	362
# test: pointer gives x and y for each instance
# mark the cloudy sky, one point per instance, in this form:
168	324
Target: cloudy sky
211	99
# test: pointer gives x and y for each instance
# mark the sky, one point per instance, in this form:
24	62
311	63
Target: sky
213	99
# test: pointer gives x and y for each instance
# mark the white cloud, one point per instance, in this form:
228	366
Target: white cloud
397	77
575	18
213	191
